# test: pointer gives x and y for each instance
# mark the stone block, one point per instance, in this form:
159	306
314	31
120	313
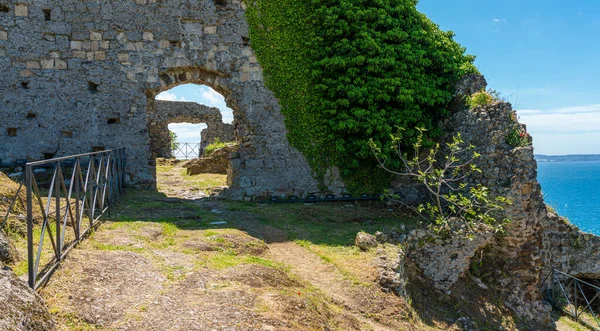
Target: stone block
3	35
163	43
26	73
47	63
60	64
99	55
33	64
2	51
55	54
75	44
79	54
148	36
123	57
21	10
210	29
94	35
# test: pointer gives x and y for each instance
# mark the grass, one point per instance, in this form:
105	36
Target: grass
162	229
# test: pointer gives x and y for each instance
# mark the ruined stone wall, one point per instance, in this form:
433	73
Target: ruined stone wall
534	240
82	75
167	112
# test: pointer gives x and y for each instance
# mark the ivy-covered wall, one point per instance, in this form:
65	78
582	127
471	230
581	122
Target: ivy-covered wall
348	71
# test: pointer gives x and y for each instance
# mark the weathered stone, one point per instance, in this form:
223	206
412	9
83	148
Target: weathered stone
21	10
8	253
391	273
113	64
167	112
365	241
21	307
216	163
444	261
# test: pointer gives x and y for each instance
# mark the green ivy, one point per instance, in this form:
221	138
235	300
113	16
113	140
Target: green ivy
348	71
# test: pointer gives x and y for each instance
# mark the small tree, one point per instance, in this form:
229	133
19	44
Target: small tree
174	143
455	207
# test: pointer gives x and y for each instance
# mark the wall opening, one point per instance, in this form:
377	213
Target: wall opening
197	163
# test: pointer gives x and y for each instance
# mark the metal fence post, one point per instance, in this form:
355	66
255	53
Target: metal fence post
57	174
575	300
76	171
30	275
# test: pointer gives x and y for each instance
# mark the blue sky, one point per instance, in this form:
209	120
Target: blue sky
542	56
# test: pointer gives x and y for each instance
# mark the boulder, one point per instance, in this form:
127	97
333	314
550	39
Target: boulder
391	272
216	163
365	241
22	308
8	253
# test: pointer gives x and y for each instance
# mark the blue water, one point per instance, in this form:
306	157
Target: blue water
573	190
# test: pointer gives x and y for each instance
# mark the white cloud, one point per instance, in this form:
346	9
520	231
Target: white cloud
212	98
571	130
499	20
169	96
186	132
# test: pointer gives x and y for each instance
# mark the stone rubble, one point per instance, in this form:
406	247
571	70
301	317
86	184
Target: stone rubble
22	308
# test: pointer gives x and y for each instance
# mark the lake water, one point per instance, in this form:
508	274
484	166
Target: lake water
573	190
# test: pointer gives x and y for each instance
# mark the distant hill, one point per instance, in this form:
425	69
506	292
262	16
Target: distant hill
567	158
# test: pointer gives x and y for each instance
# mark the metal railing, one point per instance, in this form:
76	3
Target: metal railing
186	151
574	297
11	205
96	179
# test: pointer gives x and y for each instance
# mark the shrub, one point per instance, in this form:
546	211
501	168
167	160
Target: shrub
517	138
215	145
350	71
174	143
455	207
481	98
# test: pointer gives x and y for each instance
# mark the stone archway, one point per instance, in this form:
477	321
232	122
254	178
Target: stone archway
91	80
167	112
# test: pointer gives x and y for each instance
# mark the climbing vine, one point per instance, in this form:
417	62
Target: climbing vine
350	71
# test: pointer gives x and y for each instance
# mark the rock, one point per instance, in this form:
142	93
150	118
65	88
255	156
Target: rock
381	237
445	261
217	163
16	175
8	253
465	323
365	241
391	273
21	307
469	84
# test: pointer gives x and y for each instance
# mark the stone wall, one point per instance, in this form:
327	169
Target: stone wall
79	76
167	112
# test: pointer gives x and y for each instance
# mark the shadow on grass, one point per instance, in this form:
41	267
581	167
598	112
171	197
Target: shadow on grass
330	224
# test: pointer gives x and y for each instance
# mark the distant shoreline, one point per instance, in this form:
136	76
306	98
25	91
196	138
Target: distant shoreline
567	158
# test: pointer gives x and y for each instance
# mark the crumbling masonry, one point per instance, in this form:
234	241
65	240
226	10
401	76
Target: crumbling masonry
165	112
79	76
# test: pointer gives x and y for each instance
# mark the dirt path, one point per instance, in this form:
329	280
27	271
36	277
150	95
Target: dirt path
324	276
173	182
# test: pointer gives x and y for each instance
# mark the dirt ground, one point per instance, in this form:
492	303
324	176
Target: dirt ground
177	260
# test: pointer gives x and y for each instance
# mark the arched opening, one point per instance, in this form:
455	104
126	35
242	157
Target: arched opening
191	137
